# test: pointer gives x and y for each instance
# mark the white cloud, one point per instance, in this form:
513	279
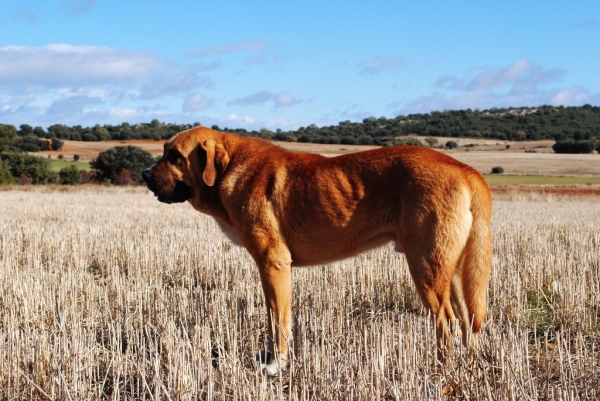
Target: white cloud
522	71
196	102
285	99
62	64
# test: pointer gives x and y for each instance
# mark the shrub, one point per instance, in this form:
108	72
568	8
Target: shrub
110	163
431	141
570	146
123	177
34	167
5	175
76	157
407	142
497	170
88	177
451	145
60	157
69	175
24	179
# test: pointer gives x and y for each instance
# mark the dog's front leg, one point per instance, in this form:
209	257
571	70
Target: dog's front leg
276	277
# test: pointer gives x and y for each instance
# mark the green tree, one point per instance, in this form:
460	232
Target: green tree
35	167
39	132
110	163
25	130
59	131
8	133
101	133
57	143
28	143
69	175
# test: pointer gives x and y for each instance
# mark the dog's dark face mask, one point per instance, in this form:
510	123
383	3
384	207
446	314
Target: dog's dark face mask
166	178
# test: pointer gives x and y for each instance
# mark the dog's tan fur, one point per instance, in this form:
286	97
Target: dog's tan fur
301	209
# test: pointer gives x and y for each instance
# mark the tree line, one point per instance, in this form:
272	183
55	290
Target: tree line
575	129
581	123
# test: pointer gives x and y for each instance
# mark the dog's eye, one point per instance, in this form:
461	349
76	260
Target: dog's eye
174	158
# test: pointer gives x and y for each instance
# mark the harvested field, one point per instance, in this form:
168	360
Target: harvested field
107	294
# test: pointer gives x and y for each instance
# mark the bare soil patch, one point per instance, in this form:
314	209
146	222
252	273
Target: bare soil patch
90	150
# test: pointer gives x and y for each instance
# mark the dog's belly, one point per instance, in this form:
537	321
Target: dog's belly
335	246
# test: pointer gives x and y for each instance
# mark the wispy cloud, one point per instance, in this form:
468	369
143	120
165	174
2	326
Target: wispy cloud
281	99
522	83
589	23
251	100
63	108
173	82
26	13
377	65
78	6
521	73
196	102
219	50
61	64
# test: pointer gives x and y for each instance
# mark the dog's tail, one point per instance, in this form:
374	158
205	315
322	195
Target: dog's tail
476	259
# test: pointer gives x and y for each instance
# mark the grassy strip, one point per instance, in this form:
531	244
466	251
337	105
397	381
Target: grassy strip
57	165
500	179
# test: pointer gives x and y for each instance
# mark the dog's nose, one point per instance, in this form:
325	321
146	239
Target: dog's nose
146	174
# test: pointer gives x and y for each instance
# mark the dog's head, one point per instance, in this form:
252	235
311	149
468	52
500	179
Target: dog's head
192	160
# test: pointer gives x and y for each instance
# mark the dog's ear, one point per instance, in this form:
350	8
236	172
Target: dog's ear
216	157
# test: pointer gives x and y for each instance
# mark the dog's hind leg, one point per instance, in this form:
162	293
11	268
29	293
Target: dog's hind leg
433	284
433	240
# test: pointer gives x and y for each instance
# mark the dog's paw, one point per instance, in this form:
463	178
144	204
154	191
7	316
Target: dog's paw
270	365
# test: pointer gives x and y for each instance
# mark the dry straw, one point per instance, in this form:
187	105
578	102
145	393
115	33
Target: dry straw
107	294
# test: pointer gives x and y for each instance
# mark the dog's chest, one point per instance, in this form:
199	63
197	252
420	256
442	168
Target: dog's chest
231	233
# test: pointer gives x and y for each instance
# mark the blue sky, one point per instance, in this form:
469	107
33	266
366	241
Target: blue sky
286	64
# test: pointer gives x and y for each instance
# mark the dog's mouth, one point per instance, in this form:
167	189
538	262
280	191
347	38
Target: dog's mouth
180	193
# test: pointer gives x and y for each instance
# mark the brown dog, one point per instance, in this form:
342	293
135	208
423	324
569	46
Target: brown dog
286	207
